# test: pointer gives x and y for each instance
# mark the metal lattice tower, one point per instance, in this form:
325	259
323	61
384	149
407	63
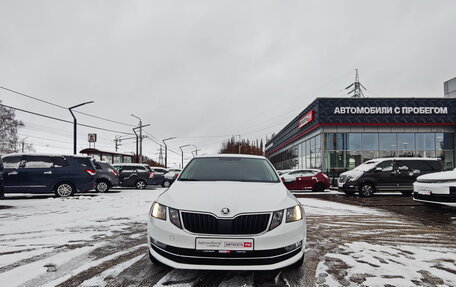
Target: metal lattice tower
357	91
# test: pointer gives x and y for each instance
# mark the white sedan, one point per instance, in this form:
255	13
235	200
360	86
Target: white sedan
436	188
227	212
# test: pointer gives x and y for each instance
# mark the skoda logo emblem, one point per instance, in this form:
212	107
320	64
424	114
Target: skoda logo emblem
225	211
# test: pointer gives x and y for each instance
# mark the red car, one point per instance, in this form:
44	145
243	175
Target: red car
306	179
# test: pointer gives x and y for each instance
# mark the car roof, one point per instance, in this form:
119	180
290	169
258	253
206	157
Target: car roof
231	155
131	164
403	158
43	154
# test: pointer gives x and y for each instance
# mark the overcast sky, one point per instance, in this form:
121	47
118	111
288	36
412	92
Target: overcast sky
198	70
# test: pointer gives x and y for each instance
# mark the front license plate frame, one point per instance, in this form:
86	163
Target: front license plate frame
233	244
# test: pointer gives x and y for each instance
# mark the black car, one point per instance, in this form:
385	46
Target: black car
106	176
40	173
134	174
386	174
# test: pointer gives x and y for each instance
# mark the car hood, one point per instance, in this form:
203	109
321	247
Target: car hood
239	197
353	174
438	176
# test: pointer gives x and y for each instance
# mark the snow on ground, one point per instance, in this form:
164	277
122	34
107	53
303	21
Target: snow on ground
323	207
379	265
53	230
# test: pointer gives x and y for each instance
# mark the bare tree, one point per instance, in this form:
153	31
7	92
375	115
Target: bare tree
9	141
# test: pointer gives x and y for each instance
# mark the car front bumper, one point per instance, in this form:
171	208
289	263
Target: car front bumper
274	249
443	193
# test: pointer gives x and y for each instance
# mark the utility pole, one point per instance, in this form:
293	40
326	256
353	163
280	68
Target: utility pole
182	154
357	87
23	144
166	150
75	124
117	140
160	155
140	127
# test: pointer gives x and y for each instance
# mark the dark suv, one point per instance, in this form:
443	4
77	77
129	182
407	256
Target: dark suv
159	176
106	176
386	174
134	174
40	173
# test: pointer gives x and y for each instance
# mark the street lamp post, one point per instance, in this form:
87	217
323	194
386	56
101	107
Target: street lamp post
75	124
166	150
182	154
196	149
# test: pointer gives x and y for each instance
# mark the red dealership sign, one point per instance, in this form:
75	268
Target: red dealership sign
307	118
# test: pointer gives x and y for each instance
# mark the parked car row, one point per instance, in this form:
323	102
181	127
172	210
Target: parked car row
422	177
65	175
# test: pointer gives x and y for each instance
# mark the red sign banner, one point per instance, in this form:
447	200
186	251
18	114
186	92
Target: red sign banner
307	118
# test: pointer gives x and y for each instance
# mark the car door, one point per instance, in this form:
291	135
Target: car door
384	175
306	180
37	173
127	175
159	175
11	180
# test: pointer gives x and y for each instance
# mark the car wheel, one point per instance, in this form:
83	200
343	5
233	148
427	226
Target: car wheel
349	193
154	260
319	187
406	193
366	190
166	183
102	186
64	189
140	184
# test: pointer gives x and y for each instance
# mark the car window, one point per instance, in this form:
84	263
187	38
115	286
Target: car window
33	161
127	168
229	169
140	168
11	161
307	173
386	165
60	161
97	165
84	161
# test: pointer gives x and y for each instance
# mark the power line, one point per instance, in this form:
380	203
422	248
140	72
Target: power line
62	107
62	120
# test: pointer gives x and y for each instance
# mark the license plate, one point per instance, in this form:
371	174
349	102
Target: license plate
223	244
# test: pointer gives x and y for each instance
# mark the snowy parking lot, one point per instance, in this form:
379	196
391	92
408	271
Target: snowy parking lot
100	240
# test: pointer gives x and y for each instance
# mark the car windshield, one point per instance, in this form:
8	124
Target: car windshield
366	166
229	169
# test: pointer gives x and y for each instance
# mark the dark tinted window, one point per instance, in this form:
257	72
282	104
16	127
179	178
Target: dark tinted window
11	161
97	165
33	161
60	161
386	165
84	161
423	165
229	169
140	168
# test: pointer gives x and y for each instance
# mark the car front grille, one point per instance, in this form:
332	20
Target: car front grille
209	224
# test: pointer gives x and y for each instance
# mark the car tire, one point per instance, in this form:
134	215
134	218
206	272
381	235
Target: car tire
366	190
140	184
406	193
349	193
64	189
318	187
166	183
102	186
154	260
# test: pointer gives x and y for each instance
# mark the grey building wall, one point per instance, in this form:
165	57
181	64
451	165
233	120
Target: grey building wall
450	88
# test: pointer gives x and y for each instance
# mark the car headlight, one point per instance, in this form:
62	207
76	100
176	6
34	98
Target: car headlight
294	213
158	211
174	217
276	219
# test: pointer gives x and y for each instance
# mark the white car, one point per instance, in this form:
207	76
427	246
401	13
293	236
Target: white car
436	188
227	212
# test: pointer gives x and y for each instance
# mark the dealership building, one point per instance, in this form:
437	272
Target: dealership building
337	134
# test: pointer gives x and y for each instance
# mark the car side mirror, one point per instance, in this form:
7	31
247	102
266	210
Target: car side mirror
378	169
416	171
